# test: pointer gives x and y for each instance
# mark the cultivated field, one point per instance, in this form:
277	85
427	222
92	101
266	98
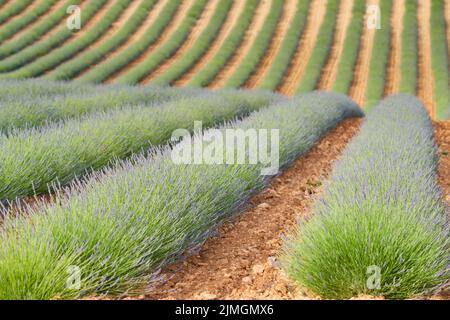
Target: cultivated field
355	95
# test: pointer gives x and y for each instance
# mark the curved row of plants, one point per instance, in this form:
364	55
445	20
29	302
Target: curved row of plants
73	67
322	47
167	49
69	50
380	56
9	29
47	44
381	227
30	35
200	47
280	65
120	227
258	49
111	66
440	59
33	159
408	67
229	46
36	110
13	9
349	56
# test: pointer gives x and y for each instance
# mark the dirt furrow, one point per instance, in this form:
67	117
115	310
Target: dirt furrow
289	9
361	72
57	6
165	35
393	76
316	15
232	17
241	52
442	136
152	16
196	31
241	262
329	72
425	83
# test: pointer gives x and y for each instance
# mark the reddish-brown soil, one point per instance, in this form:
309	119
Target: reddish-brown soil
329	72
163	37
361	72
232	18
316	15
241	52
425	82
152	16
35	23
289	9
196	31
442	135
393	75
241	263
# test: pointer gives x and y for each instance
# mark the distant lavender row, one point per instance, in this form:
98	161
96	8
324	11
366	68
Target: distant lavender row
124	224
381	227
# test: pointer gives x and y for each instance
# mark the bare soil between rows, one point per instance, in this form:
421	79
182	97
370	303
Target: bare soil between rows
241	262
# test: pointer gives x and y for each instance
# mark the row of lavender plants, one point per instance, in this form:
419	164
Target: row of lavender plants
120	226
381	227
33	159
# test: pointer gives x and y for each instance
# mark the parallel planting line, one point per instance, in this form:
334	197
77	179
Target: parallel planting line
45	23
236	10
13	8
66	70
132	40
27	17
289	9
447	22
408	69
425	89
330	69
188	44
393	77
37	21
252	32
51	40
344	74
316	15
163	38
361	73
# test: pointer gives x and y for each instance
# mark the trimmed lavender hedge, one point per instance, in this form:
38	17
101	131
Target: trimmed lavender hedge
382	209
124	224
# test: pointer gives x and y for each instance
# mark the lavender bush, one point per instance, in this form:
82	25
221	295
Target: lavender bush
123	224
381	227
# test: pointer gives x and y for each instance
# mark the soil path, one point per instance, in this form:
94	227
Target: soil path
329	72
442	135
361	72
316	15
140	32
241	52
165	35
57	6
393	75
126	15
232	18
425	83
196	31
241	262
289	9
